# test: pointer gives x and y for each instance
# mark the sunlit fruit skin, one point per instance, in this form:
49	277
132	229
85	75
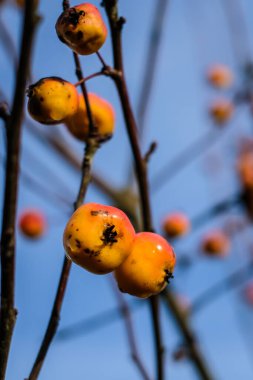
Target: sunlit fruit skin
32	224
103	117
221	111
98	237
82	28
215	243
220	76
52	100
176	224
148	267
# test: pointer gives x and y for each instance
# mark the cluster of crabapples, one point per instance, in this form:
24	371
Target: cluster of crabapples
101	239
53	100
215	243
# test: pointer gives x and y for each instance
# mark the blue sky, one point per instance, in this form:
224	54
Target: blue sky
196	34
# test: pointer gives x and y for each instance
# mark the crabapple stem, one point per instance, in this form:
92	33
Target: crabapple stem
99	73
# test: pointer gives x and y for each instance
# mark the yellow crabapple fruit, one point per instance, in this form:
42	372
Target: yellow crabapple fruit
220	76
149	266
98	237
32	223
221	111
176	224
215	243
52	100
103	117
82	28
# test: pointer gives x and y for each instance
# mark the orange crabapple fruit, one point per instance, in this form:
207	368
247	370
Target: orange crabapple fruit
51	100
82	29
102	114
98	237
215	243
221	111
149	266
176	224
32	223
220	76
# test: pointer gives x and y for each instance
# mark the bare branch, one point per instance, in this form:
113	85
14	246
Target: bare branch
8	311
116	24
126	314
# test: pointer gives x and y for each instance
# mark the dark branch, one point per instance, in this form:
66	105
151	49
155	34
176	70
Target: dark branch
126	314
189	338
8	312
116	24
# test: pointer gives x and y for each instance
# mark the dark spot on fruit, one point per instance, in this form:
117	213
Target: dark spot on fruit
69	96
79	35
78	243
109	235
91	252
70	236
41	99
68	33
97	212
77	229
71	225
168	276
74	15
133	261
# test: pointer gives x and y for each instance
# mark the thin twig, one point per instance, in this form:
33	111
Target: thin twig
175	165
237	25
228	283
39	188
99	73
8	43
116	24
189	337
151	60
215	210
126	314
88	325
13	127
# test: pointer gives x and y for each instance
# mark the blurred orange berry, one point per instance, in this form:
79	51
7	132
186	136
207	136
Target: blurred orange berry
220	76
245	169
221	111
32	224
52	100
102	114
176	224
82	28
215	243
148	267
248	293
98	237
